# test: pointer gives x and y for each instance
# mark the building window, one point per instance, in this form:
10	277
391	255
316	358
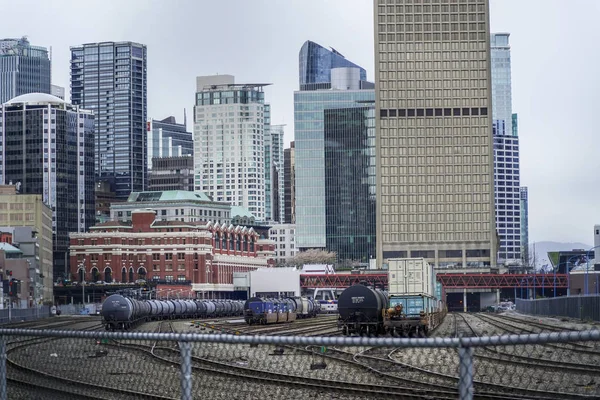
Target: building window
168	256
180	267
169	278
155	256
181	278
169	267
181	256
156	267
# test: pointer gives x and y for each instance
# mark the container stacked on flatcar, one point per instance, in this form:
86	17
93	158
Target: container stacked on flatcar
361	310
415	307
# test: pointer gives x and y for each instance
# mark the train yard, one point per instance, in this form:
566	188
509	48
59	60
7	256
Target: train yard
126	369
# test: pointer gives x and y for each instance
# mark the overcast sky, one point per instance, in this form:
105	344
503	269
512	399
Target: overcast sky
554	71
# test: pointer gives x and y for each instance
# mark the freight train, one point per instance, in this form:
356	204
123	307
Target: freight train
272	311
412	307
121	312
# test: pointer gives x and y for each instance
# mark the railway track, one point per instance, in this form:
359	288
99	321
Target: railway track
34	378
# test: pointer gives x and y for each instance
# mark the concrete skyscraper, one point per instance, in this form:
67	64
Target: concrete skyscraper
434	143
327	81
506	154
23	69
48	149
230	121
109	78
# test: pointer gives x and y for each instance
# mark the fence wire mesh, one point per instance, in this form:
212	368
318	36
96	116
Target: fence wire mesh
469	356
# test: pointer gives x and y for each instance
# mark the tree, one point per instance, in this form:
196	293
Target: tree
311	256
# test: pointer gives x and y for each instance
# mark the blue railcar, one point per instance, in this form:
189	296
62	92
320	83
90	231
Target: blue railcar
268	311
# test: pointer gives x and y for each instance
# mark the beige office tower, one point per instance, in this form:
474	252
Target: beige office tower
435	195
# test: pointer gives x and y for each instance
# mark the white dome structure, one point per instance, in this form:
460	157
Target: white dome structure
36	98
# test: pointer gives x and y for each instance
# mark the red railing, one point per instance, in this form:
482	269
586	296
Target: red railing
449	281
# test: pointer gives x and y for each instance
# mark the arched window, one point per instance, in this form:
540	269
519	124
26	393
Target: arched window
217	240
123	275
107	275
95	275
130	274
252	244
231	242
237	242
245	243
81	274
141	273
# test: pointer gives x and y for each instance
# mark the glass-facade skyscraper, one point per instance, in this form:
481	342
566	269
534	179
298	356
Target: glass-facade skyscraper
23	69
340	84
316	63
506	154
167	138
350	194
109	78
435	172
48	149
230	124
274	174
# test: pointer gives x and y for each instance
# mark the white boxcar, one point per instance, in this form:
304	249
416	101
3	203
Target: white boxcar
413	276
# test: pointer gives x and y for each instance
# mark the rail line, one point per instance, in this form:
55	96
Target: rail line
45	381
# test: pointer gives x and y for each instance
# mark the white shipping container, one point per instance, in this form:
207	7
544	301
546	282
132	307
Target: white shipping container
412	276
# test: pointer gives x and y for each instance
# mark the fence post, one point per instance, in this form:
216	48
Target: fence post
465	371
3	371
186	370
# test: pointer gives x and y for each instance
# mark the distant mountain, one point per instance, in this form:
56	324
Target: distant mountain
542	249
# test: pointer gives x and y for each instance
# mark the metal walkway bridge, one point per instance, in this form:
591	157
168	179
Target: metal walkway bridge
449	281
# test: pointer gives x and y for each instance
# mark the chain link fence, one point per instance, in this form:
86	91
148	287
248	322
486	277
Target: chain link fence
211	359
11	314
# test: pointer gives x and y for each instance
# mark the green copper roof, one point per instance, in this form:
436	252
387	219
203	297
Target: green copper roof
237	211
8	248
167	195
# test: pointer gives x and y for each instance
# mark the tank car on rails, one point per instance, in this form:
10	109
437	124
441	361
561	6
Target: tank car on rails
361	310
120	312
305	307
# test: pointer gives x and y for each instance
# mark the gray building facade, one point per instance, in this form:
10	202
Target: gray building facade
289	183
23	69
109	78
58	162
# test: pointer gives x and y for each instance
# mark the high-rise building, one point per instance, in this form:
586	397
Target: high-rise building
57	91
524	206
109	78
274	174
23	69
289	183
331	83
506	153
316	63
48	149
171	173
350	196
435	195
229	142
167	138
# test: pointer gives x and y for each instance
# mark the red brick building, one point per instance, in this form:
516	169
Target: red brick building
203	255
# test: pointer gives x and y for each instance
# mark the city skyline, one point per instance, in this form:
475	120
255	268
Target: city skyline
555	151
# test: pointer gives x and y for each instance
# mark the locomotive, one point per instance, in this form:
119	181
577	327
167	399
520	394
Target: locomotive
272	311
121	312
